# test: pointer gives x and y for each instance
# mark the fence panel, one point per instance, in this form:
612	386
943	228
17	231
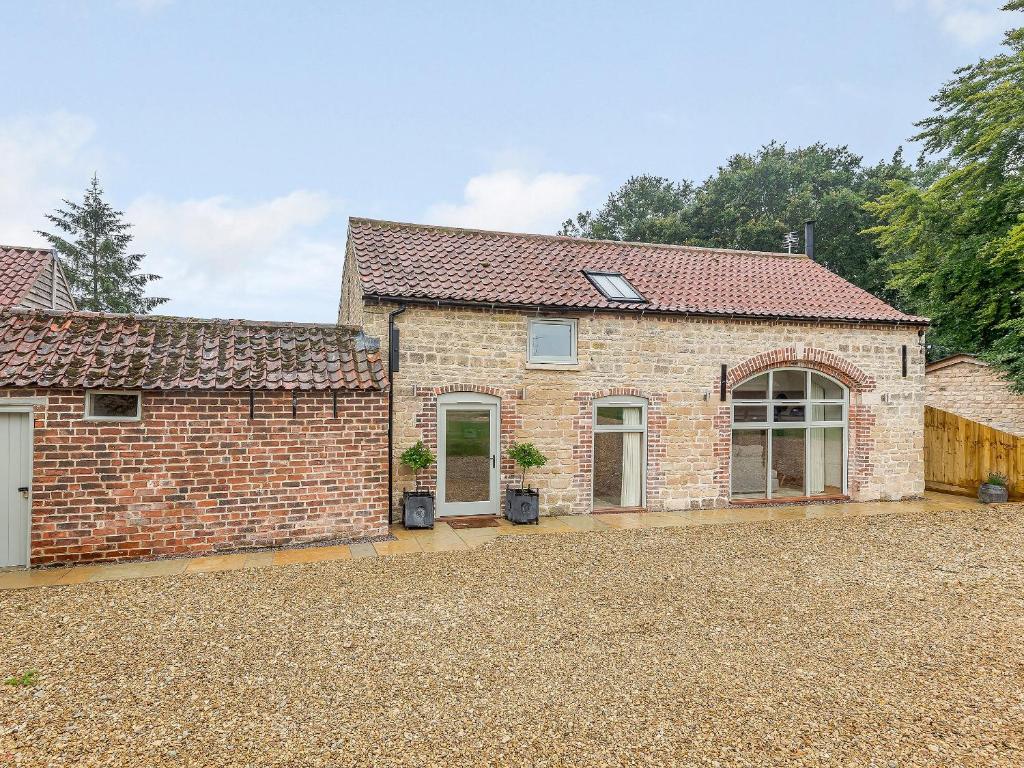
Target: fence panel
960	453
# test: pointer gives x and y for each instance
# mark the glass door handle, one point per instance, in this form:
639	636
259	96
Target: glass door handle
494	461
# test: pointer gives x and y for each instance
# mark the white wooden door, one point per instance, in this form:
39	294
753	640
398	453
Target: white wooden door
467	461
15	487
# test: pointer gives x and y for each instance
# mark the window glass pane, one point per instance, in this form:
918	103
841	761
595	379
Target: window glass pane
113	406
551	340
615	287
750	463
746	413
467	444
622	288
618	469
825	389
790	413
619	415
823	412
605	284
754	389
825	450
788	462
789	385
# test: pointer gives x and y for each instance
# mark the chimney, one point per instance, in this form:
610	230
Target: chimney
809	238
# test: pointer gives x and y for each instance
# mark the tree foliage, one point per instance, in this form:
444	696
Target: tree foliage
526	456
753	200
93	245
417	457
957	245
644	209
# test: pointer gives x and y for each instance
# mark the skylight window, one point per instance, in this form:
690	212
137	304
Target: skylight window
613	286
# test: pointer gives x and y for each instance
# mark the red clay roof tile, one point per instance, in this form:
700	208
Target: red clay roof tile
19	269
41	348
417	262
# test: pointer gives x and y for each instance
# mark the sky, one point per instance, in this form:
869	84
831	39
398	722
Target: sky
238	137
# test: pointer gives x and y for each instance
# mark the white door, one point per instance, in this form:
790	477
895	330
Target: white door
15	485
467	460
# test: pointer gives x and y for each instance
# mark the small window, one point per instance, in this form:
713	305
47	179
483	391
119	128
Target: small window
552	341
113	406
614	287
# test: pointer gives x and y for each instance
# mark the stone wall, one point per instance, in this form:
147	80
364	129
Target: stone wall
973	389
674	362
197	475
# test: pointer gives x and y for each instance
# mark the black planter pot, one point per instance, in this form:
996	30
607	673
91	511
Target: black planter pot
418	509
522	505
993	494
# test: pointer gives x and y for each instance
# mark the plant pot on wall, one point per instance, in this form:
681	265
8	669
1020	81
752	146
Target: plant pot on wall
418	509
522	505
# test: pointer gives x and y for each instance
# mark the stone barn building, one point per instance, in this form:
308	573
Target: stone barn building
652	376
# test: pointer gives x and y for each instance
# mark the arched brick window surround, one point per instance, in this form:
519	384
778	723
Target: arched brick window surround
509	425
583	451
861	419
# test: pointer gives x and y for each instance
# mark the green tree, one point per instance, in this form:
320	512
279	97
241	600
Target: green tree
957	244
753	200
645	209
93	245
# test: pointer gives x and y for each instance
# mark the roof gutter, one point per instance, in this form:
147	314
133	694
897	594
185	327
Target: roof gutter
404	300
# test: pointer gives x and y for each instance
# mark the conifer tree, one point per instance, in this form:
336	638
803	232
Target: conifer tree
92	242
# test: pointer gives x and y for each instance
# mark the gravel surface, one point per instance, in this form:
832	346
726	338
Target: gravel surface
885	641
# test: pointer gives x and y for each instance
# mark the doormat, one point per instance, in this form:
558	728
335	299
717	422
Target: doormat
472	521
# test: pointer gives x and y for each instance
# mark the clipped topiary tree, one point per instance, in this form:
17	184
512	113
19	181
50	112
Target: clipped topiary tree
418	505
417	458
526	456
522	505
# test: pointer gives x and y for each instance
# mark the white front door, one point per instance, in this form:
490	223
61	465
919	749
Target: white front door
15	485
467	456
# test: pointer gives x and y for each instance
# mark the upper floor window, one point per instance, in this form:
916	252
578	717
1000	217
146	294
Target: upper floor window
613	286
113	406
552	341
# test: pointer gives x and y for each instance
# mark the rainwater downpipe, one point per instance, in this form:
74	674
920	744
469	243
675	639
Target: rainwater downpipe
393	351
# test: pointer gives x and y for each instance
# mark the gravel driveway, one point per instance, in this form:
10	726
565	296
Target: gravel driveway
883	641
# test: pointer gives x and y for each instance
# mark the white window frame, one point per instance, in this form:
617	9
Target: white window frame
551	359
620	401
89	393
806	425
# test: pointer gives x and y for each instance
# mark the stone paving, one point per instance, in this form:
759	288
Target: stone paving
443	538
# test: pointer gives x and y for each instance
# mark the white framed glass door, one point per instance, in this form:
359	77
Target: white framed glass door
467	456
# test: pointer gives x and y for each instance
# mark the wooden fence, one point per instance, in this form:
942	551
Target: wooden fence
960	453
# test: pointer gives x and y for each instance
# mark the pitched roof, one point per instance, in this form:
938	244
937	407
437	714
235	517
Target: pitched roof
417	262
86	349
946	362
26	279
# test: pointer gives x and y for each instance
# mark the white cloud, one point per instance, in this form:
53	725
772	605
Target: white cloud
43	160
515	200
262	260
277	259
969	22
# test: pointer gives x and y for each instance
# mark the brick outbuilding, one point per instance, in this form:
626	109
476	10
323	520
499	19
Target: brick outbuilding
149	436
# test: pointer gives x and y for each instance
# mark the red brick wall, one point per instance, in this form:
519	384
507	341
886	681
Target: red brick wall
197	475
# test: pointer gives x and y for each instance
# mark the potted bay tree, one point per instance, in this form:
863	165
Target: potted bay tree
522	504
418	505
994	490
